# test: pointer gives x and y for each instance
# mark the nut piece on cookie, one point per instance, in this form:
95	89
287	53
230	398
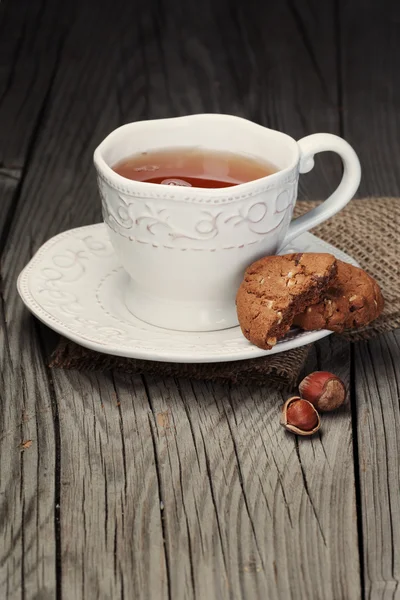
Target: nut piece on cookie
276	288
353	300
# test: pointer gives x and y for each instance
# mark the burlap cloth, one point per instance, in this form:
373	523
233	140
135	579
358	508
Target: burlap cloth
368	230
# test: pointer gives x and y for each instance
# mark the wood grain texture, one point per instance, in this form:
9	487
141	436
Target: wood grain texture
28	454
377	385
191	490
111	513
369	49
28	460
262	492
119	487
370	63
31	37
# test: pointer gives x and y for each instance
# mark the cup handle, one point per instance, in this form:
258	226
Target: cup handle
321	142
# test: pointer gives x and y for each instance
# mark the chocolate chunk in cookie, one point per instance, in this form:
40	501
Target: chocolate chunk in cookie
353	299
276	288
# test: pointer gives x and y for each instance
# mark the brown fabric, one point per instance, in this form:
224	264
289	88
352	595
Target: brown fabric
279	370
367	230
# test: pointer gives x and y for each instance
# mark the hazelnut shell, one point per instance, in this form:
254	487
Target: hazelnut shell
293	428
324	390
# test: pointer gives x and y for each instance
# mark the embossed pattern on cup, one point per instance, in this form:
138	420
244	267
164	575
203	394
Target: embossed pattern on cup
198	223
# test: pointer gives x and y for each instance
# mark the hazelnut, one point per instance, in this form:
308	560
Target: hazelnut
324	390
300	416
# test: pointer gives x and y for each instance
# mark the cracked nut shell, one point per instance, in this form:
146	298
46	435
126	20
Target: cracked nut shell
300	416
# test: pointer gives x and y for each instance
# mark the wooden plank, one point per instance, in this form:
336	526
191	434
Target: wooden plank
31	39
32	35
377	384
8	193
28	453
370	63
27	478
371	103
111	501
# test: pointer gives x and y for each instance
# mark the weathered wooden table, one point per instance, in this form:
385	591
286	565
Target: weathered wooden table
134	487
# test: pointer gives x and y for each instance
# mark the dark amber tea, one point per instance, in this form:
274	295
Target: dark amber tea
193	167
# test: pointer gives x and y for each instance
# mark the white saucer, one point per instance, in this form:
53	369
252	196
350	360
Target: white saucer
73	284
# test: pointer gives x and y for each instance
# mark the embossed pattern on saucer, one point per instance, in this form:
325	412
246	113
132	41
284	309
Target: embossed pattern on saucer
73	284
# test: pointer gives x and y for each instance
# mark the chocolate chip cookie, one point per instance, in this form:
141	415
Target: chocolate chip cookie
276	288
352	300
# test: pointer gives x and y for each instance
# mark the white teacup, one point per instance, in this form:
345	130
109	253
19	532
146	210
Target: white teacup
186	249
